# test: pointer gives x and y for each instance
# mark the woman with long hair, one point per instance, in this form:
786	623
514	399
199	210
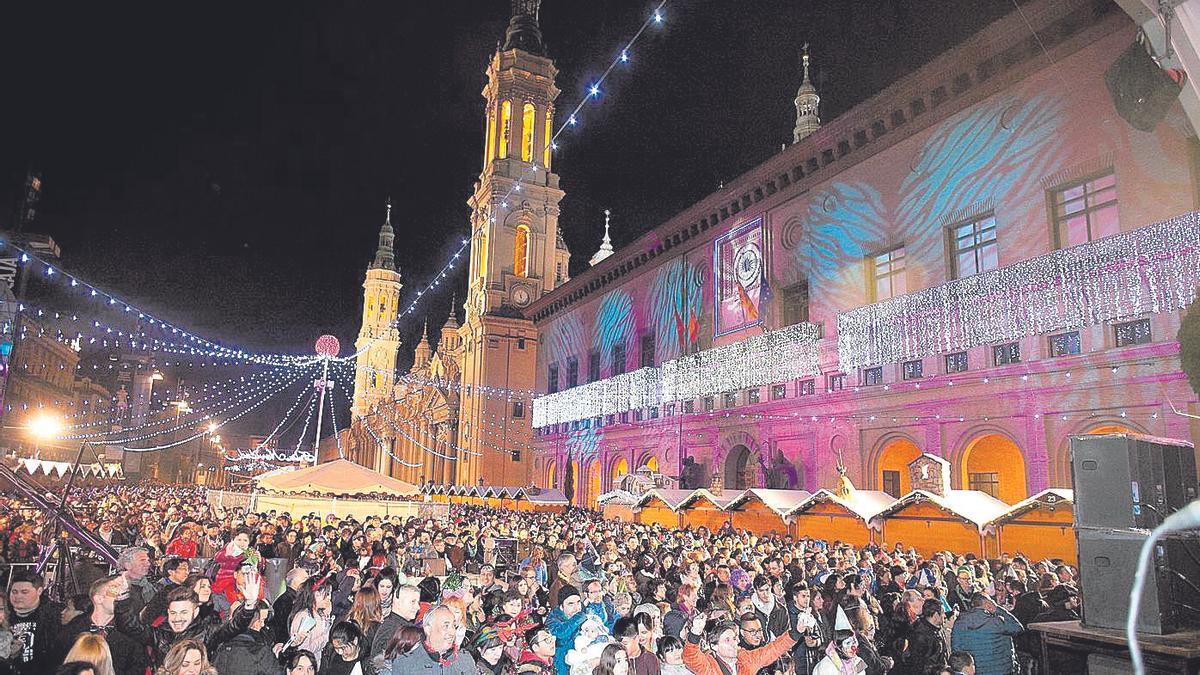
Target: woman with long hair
613	661
202	587
350	655
92	648
186	657
312	617
365	612
385	582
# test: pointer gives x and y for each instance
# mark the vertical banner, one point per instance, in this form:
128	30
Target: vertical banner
739	278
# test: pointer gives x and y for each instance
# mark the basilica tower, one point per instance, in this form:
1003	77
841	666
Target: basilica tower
517	254
378	339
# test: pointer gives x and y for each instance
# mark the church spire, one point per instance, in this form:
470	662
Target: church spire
606	248
423	351
523	31
385	256
807	105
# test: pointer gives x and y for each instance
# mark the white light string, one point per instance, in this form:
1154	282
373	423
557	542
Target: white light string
95	438
184	420
218	425
209	391
337	439
117	304
253	453
307	421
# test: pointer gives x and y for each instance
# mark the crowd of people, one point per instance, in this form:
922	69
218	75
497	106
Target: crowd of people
498	592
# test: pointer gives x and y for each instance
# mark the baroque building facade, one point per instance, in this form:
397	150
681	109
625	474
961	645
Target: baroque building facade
439	422
978	262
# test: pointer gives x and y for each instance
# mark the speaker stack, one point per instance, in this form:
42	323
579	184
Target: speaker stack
1126	485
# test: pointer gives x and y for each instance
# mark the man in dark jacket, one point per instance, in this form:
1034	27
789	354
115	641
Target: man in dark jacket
281	611
924	648
127	655
183	611
35	622
250	652
770	611
986	630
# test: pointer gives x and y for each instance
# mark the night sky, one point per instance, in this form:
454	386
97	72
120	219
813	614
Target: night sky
226	164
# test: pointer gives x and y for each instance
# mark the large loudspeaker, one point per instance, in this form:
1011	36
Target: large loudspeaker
1107	562
1141	91
1130	481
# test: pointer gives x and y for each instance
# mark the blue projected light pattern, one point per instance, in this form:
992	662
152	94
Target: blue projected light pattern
676	298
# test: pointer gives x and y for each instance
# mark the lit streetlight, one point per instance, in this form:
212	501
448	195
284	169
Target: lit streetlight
43	427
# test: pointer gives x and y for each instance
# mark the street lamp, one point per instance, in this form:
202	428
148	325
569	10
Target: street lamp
43	427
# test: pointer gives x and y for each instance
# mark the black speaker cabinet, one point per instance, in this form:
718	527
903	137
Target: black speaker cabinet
1130	481
1141	91
1170	598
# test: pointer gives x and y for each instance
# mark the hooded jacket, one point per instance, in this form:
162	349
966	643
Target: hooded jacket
989	638
247	653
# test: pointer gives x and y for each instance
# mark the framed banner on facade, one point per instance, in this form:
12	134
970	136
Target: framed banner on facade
739	278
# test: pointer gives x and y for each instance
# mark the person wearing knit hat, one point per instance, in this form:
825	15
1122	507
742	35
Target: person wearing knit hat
564	623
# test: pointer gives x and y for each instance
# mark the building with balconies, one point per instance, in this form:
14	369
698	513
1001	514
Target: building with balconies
977	263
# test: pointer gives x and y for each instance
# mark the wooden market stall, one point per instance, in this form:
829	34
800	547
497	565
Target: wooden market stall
659	507
705	509
930	522
1038	527
762	511
830	517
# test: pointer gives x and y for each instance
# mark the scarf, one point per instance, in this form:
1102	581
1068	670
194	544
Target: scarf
843	667
765	608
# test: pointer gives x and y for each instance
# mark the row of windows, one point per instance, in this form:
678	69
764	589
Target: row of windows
1060	344
504	124
1082	211
988	482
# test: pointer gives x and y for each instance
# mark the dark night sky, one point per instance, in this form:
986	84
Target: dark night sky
225	164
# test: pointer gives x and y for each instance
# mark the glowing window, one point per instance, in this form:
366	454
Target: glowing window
546	145
887	272
973	247
483	252
1086	211
505	127
521	252
489	151
527	121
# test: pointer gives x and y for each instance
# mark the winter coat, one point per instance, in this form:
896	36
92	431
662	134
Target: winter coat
128	656
748	661
926	648
989	638
41	647
531	664
564	631
248	653
210	630
834	664
421	661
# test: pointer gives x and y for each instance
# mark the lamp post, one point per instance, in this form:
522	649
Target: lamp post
43	428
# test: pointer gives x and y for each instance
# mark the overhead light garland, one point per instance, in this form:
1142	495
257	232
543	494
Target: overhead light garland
774	356
1149	270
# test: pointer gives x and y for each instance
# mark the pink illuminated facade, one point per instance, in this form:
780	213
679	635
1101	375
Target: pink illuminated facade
978	262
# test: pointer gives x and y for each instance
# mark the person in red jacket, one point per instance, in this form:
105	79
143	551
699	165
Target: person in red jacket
726	655
184	544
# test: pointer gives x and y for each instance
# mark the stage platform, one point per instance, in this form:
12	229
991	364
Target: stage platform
1068	648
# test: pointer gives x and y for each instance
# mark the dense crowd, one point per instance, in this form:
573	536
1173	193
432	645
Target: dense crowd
498	592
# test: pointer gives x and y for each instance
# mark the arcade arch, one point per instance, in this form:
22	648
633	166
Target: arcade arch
993	463
891	473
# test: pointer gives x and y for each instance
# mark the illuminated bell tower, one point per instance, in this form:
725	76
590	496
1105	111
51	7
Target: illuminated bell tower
517	254
378	339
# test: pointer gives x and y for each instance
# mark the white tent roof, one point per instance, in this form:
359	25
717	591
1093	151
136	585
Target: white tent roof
338	477
865	503
976	506
673	498
779	501
1047	497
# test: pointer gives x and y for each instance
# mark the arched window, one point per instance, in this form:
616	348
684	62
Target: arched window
489	151
546	146
527	120
521	252
483	252
505	127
